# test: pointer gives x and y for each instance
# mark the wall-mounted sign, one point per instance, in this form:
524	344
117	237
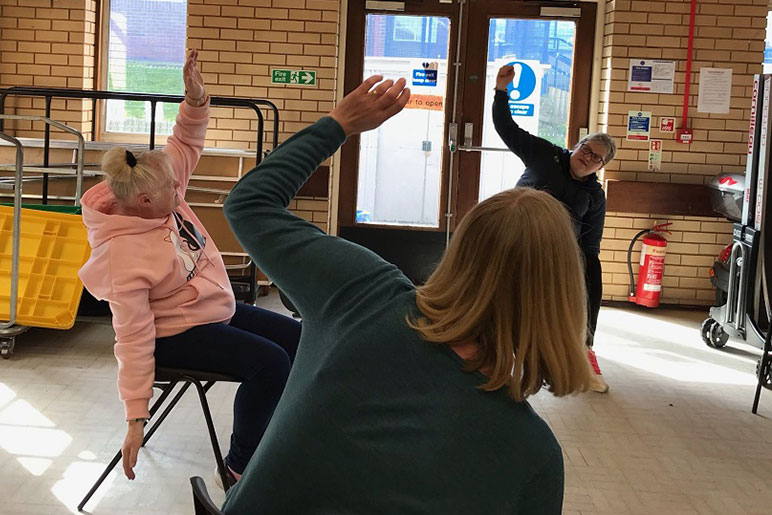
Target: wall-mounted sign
655	155
666	124
651	76
300	77
638	125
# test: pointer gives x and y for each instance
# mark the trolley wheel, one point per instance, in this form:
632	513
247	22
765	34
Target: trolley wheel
765	374
6	347
718	337
705	328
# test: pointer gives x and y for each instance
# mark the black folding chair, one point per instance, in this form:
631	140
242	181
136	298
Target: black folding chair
166	379
201	501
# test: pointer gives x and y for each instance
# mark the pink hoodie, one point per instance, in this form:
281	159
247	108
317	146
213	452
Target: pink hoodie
161	276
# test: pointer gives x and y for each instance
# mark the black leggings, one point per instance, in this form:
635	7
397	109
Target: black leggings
593	277
258	347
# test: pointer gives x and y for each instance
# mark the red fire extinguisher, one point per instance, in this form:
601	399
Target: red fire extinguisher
649	287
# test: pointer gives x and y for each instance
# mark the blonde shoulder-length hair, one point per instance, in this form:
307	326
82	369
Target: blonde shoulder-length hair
512	282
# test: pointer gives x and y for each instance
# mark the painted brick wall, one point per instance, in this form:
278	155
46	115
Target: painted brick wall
729	34
48	43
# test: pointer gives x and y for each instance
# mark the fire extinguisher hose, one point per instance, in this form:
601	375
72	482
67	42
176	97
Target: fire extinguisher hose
630	260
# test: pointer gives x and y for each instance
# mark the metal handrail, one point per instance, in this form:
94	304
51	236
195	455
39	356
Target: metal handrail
49	93
16	231
66	128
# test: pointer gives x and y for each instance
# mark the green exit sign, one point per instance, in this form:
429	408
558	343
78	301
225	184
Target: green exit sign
301	77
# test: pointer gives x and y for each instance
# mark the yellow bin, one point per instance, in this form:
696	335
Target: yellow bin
52	249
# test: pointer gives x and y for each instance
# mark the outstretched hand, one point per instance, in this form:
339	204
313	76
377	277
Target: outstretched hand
367	107
195	91
505	76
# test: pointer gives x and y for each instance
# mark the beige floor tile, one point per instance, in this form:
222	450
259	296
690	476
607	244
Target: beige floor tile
673	436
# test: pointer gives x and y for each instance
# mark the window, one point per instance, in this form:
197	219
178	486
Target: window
408	28
145	54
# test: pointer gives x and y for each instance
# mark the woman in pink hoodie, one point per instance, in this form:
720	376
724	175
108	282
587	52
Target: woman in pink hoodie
169	293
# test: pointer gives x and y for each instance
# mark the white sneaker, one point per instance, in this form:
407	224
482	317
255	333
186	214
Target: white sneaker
218	480
597	384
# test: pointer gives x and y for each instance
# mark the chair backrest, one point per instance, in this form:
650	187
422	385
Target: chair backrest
202	503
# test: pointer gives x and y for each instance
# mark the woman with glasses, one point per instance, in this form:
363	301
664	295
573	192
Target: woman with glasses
571	177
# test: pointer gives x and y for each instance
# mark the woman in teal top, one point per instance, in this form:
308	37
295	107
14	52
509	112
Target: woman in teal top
404	399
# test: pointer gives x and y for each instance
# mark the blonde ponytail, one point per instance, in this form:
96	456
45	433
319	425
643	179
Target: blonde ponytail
150	169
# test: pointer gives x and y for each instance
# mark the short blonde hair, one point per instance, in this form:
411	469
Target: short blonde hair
512	281
153	168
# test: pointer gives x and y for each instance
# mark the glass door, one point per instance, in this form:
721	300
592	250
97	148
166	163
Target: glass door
404	187
542	54
550	49
400	163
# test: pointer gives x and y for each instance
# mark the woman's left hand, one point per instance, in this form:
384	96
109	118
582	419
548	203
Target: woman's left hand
195	91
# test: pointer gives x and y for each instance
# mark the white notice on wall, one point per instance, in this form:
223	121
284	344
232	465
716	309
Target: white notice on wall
655	155
651	76
715	90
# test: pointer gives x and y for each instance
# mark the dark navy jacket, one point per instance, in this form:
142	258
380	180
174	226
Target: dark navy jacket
547	167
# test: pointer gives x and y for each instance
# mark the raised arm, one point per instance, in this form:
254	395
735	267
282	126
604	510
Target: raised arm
316	271
186	143
525	145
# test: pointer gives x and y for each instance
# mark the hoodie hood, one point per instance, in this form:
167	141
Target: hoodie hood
103	224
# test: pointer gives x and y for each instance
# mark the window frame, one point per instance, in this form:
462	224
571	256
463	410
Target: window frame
101	77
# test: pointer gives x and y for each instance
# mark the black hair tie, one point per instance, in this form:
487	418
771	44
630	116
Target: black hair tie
130	159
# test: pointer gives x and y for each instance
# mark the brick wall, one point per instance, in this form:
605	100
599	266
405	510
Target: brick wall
727	35
48	43
241	41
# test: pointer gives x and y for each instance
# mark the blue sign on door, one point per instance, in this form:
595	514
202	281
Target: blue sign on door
423	77
522	90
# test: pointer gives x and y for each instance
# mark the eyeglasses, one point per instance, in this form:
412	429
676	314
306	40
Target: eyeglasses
587	151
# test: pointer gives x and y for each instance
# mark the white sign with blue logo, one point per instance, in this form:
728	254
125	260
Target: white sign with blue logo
423	77
525	93
638	125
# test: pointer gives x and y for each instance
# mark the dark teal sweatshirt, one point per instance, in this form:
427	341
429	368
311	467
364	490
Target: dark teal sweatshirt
373	419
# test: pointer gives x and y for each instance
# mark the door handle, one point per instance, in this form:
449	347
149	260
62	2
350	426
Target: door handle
472	148
468	134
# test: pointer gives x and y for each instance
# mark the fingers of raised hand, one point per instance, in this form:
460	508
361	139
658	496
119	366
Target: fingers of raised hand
382	88
390	93
369	83
399	104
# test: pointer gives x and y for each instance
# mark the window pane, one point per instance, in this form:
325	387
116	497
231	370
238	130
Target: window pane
146	51
400	163
542	53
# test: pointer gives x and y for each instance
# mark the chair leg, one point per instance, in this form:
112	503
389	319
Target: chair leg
101	479
210	426
764	363
165	412
157	404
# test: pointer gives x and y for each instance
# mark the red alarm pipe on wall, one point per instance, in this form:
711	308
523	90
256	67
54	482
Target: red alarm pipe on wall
684	135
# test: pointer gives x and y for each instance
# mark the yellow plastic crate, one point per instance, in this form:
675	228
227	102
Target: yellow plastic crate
52	249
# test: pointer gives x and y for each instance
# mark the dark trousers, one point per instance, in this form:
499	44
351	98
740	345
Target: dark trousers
258	347
594	280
